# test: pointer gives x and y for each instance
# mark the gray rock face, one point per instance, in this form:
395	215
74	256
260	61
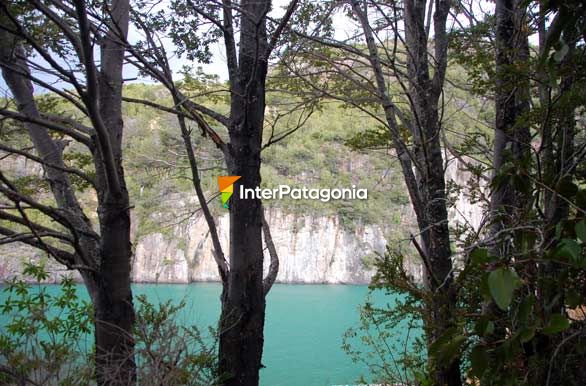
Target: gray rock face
14	257
311	250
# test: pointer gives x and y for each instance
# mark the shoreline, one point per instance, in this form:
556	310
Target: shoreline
299	283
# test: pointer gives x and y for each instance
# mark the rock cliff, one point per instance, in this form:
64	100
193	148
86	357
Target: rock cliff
312	248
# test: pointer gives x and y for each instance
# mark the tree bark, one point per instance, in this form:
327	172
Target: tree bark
512	100
114	310
424	93
243	300
427	185
558	163
105	258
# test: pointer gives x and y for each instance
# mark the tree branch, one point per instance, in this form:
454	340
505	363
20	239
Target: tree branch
91	97
229	41
49	125
282	24
217	252
269	280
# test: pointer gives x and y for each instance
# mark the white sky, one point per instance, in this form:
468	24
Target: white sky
342	25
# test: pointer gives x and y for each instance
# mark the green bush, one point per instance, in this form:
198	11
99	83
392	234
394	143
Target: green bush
46	338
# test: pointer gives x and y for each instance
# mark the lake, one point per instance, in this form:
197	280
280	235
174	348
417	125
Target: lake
303	330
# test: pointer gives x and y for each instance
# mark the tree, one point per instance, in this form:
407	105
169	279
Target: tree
525	271
94	88
512	138
370	62
244	287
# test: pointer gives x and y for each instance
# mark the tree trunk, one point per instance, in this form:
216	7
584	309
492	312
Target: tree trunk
424	93
243	299
426	186
558	163
105	258
512	100
114	310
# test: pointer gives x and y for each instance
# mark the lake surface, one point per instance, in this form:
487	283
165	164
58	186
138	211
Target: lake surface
303	330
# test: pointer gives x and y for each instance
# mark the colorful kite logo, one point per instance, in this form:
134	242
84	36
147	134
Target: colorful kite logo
226	184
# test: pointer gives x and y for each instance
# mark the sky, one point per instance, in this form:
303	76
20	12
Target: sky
343	29
218	65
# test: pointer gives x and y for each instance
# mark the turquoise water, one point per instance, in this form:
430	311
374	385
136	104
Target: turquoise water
303	331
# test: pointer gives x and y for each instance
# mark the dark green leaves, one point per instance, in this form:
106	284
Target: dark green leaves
566	187
581	230
479	359
527	334
557	323
480	256
525	309
502	282
568	249
447	346
484	327
370	139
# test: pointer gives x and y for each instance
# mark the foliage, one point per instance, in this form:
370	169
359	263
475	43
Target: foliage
388	339
46	338
169	353
530	324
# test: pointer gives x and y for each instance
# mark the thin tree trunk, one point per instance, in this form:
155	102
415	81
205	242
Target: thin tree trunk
512	139
104	258
427	185
558	164
114	310
243	300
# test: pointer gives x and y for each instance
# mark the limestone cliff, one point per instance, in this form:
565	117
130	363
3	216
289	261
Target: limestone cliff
312	248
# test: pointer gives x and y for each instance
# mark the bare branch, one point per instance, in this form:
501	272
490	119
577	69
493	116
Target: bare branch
229	41
49	125
217	251
282	24
269	280
34	158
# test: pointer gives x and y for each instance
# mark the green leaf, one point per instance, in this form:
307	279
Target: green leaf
479	256
569	249
447	346
557	324
479	359
484	327
525	309
502	282
581	230
527	334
